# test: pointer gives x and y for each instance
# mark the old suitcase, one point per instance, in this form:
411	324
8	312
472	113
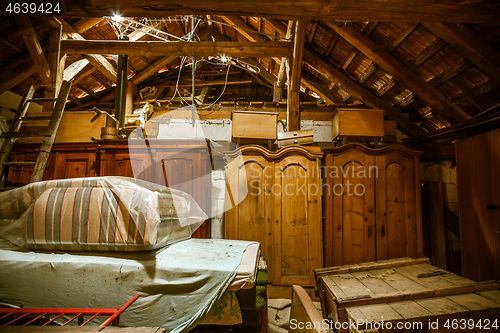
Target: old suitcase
406	294
302	137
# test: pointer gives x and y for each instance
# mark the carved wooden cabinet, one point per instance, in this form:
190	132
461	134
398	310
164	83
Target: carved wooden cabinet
180	164
372	204
67	160
281	209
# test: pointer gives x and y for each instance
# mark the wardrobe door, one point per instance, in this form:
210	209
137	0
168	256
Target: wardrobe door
297	236
249	181
399	227
349	192
188	172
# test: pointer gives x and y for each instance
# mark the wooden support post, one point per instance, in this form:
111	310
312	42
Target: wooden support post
293	105
129	101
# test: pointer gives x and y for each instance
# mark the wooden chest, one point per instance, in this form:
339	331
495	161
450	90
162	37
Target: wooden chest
303	137
256	125
390	294
357	122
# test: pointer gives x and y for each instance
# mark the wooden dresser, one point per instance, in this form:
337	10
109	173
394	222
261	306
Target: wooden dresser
282	209
180	164
372	204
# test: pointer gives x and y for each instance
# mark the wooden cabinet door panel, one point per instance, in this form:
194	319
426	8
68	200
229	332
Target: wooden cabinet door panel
350	229
251	219
74	165
399	232
189	172
297	235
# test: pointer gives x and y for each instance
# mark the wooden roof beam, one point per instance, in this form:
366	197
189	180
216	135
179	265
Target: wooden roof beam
314	59
398	70
470	45
152	68
243	28
35	49
479	11
231	49
97	60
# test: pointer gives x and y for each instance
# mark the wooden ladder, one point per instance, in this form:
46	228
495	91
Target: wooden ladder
49	135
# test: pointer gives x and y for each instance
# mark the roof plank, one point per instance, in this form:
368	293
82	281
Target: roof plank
398	70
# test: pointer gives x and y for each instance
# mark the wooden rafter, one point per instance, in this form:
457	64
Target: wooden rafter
232	49
479	11
402	37
152	68
245	29
35	49
470	45
398	70
314	59
97	60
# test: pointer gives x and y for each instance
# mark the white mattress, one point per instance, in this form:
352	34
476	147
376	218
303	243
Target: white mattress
105	279
247	272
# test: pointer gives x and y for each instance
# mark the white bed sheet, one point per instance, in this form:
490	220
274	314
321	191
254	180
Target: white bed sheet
107	280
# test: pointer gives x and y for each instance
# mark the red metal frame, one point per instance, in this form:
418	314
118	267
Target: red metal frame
46	312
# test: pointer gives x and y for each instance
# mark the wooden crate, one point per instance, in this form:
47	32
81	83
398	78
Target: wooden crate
357	122
257	125
398	291
303	137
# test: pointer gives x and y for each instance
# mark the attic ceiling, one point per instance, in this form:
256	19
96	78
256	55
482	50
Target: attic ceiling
435	74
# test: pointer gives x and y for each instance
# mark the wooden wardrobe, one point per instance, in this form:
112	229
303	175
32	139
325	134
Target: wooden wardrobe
275	198
372	204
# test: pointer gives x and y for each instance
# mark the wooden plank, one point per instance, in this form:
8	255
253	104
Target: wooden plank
157	48
377	313
35	49
481	12
370	266
396	296
398	281
293	115
25	134
474	302
409	310
350	286
441	306
398	70
303	310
